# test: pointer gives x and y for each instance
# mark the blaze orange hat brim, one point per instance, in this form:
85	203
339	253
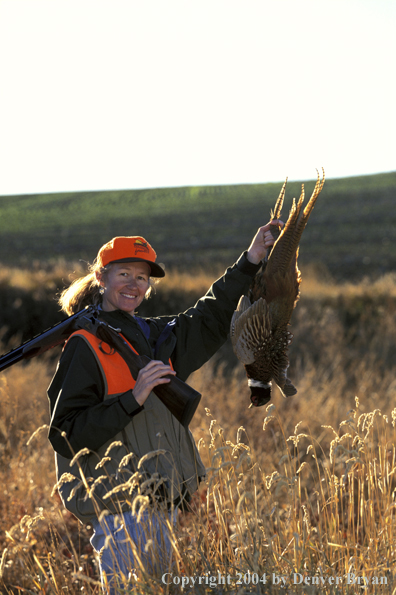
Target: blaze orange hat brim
130	249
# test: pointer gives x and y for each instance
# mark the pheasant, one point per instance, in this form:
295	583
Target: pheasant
259	331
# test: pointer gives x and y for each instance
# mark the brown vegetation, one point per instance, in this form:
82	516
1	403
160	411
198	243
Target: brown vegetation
305	486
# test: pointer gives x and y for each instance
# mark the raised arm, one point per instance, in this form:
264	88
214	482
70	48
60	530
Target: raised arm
203	329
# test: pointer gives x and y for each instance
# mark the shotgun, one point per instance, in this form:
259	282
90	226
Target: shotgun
180	398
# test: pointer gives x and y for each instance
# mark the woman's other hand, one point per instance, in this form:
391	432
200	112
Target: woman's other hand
149	377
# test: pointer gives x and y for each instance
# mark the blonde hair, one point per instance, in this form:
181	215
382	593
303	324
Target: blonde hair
86	291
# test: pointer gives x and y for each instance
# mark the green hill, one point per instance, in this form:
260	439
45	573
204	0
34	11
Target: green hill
352	230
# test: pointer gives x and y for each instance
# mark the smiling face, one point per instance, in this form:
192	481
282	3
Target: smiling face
125	286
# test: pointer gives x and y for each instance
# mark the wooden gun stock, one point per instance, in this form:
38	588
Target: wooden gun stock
180	398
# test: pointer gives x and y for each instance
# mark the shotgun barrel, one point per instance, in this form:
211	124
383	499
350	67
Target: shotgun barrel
56	335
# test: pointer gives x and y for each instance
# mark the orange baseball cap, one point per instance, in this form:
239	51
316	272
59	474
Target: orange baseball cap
130	249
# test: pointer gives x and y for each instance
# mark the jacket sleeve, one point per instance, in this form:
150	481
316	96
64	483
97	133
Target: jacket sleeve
203	329
80	417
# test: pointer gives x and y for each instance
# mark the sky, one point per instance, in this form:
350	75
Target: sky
125	94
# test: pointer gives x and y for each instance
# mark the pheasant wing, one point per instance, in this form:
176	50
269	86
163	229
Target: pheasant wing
250	329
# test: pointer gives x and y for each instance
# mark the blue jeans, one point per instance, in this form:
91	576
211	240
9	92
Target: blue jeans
124	544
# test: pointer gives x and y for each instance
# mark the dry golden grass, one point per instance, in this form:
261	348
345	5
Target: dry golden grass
40	275
316	288
303	489
317	282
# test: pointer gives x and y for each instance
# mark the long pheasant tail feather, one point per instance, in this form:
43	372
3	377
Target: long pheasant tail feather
302	221
285	249
282	251
276	213
317	190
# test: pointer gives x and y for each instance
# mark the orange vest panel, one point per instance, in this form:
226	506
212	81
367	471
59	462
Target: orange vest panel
115	370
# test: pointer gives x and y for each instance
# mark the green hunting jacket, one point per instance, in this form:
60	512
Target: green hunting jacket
113	435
